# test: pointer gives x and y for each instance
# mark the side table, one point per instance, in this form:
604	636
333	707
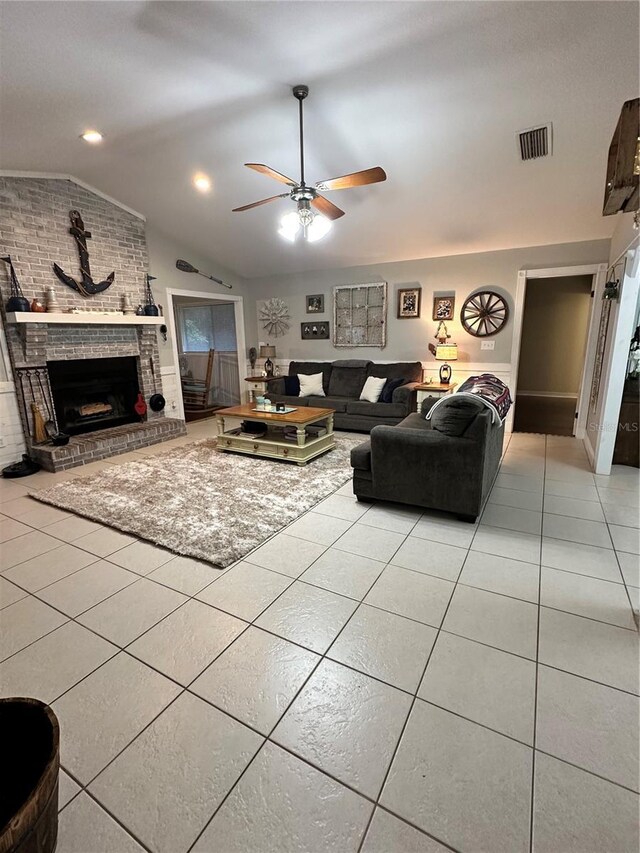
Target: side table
433	389
257	385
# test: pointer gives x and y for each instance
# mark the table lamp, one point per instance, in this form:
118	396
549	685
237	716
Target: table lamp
446	352
268	352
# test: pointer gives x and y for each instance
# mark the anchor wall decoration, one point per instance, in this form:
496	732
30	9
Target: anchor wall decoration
86	287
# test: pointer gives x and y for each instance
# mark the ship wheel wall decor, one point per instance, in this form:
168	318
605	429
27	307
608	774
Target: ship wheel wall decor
484	313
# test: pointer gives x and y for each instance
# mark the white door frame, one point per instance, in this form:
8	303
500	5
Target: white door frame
598	273
621	327
238	309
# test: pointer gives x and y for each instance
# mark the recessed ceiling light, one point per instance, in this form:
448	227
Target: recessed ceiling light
201	182
92	136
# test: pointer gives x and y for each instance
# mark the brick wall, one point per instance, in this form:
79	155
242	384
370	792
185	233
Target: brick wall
33	345
34	230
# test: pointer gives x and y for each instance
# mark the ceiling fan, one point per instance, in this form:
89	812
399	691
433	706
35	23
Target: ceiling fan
314	225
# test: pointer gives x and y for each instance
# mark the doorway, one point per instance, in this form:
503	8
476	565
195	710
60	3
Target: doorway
208	337
555	327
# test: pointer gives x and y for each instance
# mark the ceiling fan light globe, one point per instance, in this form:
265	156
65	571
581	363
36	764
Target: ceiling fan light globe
318	228
305	216
289	226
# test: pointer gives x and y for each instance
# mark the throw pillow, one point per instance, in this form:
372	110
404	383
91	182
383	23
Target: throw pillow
311	385
452	416
372	389
389	387
292	386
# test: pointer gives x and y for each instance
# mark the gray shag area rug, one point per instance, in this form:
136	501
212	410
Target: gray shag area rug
204	504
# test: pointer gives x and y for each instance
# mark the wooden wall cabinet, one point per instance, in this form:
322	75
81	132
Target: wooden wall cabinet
621	190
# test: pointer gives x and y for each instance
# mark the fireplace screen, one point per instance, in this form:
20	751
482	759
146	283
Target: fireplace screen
94	393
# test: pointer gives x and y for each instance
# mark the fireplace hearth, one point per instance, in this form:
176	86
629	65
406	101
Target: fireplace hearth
94	393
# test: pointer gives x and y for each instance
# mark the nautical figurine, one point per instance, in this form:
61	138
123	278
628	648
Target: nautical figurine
150	309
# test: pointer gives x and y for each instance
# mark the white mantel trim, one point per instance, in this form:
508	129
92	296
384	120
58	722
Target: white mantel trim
57	176
88	318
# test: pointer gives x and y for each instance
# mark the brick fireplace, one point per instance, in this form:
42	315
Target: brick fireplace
64	347
53	362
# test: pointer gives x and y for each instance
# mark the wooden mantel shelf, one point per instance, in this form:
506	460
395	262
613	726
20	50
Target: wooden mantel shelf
83	319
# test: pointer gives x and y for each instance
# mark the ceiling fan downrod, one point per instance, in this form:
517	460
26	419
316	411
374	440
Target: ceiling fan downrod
300	92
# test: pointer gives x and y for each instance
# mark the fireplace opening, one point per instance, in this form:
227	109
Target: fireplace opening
94	393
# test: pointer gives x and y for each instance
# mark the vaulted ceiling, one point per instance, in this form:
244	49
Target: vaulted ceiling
432	91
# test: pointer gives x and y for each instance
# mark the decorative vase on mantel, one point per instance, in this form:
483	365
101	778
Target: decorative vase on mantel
17	301
127	307
51	300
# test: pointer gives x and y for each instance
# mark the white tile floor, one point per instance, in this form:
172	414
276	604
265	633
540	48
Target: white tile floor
374	678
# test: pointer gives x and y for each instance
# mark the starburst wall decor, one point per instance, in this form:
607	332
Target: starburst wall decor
274	316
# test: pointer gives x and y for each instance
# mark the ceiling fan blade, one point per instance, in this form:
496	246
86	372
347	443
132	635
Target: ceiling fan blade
271	173
355	179
258	203
327	208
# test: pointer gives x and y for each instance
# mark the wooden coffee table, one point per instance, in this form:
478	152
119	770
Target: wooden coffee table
273	444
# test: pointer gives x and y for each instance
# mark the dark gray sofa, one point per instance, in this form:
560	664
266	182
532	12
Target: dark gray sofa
342	382
414	463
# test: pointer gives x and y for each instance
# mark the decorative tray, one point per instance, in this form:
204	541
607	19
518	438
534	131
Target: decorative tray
272	410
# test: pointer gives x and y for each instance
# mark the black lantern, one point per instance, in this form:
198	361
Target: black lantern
17	301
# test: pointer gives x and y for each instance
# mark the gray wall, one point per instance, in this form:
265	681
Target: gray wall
458	275
554	334
163	253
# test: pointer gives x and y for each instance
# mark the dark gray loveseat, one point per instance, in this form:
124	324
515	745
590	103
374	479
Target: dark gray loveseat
342	382
415	463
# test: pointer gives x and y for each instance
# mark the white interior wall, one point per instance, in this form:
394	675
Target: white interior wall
11	438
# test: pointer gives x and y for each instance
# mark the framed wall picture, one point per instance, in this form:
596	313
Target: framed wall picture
409	302
443	307
315	303
315	331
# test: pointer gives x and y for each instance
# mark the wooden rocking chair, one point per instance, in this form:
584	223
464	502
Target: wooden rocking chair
196	392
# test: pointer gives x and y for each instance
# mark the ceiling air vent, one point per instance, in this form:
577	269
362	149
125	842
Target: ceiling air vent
535	142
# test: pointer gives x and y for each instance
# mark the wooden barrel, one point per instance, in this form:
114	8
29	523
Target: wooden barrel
30	749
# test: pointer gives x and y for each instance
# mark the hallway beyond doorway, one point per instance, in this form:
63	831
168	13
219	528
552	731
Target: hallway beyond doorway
550	415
